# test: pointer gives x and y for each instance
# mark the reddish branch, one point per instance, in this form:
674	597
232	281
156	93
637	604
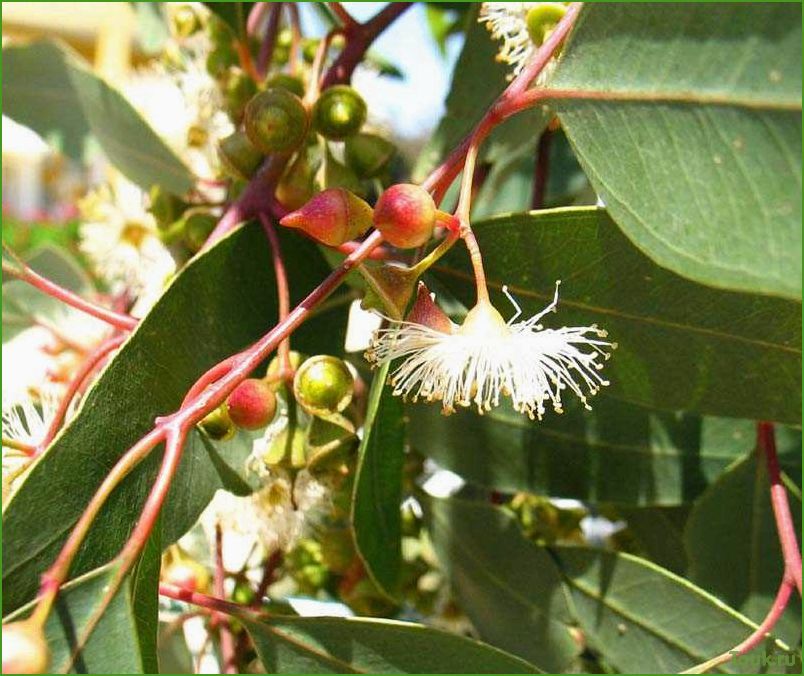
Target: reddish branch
228	654
282	290
269	40
26	274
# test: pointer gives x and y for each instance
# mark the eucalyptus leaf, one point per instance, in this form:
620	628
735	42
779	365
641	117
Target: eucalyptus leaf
328	645
376	516
510	590
698	155
231	294
49	88
682	345
733	521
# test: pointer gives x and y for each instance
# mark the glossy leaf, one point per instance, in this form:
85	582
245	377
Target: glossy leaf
615	453
644	619
116	645
376	516
681	345
328	645
703	172
733	521
510	590
50	89
232	297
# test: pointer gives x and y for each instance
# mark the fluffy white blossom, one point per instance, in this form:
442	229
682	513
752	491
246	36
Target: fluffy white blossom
508	23
120	239
486	358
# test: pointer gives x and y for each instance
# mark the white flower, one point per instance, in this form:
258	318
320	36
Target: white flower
508	22
486	358
120	238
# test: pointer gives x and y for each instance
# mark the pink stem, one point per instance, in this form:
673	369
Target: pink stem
282	290
211	603
781	507
89	365
28	275
228	654
256	16
269	41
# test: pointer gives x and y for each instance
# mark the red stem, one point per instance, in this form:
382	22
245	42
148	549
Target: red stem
766	442
269	41
256	16
343	15
205	601
282	289
358	38
228	655
89	365
271	565
30	276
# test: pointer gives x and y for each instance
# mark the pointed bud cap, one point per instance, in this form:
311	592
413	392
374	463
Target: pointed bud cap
332	217
427	313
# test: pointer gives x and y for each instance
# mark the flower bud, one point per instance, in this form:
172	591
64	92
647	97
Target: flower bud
220	59
339	112
276	121
284	81
165	207
252	404
405	214
25	649
367	154
427	313
296	186
296	358
542	19
198	225
239	157
237	92
218	425
323	385
332	217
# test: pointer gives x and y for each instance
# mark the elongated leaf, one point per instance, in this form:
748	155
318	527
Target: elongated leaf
658	533
478	80
510	590
312	645
376	517
617	453
703	172
116	644
644	619
681	345
50	89
220	303
733	521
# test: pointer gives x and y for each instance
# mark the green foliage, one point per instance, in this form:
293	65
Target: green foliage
715	138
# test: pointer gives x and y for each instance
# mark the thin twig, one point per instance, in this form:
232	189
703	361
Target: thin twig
228	656
282	290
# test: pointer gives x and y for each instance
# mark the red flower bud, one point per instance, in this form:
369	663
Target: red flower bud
427	313
405	214
332	217
252	404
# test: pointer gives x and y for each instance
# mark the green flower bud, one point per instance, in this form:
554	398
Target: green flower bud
220	59
297	184
218	425
237	92
276	121
323	385
296	359
239	158
367	154
293	84
309	49
25	649
542	19
339	112
198	225
165	207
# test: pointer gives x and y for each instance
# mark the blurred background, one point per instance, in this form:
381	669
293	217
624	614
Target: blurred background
41	186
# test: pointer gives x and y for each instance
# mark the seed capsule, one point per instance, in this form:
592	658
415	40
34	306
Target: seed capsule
239	157
339	112
276	121
323	385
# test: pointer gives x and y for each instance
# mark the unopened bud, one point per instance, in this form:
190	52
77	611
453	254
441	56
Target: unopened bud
323	385
405	214
252	404
339	112
239	157
427	313
332	217
276	121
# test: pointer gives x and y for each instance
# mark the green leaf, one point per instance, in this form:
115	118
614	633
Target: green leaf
233	13
116	644
328	645
658	533
681	345
733	521
703	172
376	516
616	453
477	81
510	590
22	303
50	89
232	293
644	619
